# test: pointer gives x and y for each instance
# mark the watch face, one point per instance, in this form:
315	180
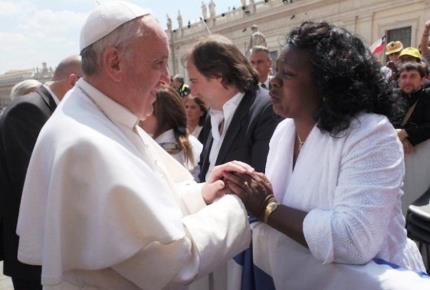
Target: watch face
273	205
269	210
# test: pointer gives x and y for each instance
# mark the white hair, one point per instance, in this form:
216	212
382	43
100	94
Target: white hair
92	55
24	87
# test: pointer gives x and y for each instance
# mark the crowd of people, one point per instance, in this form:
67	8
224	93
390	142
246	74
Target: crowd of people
115	175
407	71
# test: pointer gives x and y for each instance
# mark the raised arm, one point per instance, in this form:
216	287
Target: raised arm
425	50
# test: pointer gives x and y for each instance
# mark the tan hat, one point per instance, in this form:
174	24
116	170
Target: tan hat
393	47
106	18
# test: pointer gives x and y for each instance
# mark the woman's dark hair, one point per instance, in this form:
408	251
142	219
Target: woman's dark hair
201	105
216	56
169	110
345	73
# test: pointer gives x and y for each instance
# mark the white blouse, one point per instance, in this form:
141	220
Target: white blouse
351	187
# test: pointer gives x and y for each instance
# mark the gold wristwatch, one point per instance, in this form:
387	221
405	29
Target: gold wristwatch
270	208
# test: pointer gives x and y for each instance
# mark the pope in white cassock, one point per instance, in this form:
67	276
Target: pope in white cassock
99	209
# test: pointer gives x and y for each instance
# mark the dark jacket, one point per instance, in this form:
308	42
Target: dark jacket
248	135
418	125
20	125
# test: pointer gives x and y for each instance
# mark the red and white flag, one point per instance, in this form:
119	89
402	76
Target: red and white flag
378	46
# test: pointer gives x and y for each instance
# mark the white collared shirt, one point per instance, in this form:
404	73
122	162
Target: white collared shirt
127	122
114	111
266	82
217	116
122	117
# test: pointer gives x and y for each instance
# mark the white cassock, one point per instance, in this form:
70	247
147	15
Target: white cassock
350	187
100	210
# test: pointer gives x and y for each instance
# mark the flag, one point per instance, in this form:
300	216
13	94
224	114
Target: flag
378	46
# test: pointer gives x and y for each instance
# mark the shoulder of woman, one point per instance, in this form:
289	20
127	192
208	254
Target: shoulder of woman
366	123
372	127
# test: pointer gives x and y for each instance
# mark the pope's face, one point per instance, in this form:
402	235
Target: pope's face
146	70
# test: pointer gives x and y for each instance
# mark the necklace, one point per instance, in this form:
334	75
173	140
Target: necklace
300	142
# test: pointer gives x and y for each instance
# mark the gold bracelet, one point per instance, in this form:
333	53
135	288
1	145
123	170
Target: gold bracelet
268	198
270	208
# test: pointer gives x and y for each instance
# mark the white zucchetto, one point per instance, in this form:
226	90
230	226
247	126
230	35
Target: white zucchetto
106	18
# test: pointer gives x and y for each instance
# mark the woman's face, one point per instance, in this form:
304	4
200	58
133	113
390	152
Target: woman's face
293	90
193	110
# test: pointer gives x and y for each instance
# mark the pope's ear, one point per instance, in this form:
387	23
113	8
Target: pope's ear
111	63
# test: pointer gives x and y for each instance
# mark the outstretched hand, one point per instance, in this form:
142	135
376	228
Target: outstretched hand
215	186
254	189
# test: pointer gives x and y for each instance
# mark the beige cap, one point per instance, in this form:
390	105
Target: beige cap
393	47
106	18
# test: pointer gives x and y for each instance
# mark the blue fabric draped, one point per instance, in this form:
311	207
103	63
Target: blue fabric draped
397	267
253	278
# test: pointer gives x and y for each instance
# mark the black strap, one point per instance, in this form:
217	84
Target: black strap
47	97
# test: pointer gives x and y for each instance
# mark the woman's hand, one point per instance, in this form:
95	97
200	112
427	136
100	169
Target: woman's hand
215	187
254	189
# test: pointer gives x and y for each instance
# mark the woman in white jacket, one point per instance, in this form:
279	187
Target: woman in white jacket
335	170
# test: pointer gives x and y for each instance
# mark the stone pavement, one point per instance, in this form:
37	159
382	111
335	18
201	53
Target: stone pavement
5	282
